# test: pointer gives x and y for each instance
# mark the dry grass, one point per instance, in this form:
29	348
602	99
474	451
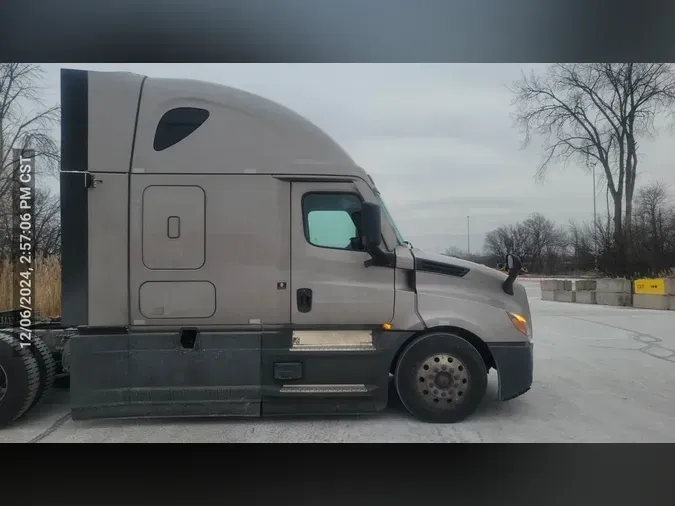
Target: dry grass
46	283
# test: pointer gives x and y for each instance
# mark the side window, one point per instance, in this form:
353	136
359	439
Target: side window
177	124
332	220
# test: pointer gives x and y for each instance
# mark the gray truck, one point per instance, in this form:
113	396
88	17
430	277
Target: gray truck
222	256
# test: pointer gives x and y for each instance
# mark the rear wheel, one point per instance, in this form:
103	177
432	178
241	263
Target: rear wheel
441	378
47	368
3	383
19	379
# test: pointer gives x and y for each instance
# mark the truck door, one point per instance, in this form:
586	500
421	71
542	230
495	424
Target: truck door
331	286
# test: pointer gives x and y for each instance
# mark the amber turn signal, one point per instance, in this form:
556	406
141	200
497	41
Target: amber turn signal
519	322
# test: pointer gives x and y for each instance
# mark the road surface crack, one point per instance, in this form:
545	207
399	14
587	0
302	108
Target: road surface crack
52	428
652	343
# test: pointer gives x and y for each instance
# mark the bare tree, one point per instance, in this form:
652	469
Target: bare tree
550	249
546	241
47	235
508	239
596	113
582	244
652	234
25	123
651	201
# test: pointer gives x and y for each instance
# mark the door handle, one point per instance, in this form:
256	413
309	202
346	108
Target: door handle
304	296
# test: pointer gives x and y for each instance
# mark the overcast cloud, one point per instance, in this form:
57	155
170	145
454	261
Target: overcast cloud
437	138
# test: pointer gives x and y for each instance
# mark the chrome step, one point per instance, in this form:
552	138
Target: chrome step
331	348
323	389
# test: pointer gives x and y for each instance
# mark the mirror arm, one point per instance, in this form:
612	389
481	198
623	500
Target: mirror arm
507	286
380	258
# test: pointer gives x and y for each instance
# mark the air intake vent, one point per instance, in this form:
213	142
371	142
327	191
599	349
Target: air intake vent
440	268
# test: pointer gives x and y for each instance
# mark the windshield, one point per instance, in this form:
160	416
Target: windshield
383	206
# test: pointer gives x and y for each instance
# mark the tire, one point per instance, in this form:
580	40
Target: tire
22	374
47	368
441	378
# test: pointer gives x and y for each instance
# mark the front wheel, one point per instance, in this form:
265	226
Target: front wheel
441	378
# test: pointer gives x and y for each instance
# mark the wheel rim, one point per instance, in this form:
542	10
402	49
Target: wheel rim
442	381
3	383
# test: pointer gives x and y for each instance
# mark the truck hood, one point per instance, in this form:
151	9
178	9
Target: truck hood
449	282
475	270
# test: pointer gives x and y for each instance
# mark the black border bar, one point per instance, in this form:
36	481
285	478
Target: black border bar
337	31
74	197
367	474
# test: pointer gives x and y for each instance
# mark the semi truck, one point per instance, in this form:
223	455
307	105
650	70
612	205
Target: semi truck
223	256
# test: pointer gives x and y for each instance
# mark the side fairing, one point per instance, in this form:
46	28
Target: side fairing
98	119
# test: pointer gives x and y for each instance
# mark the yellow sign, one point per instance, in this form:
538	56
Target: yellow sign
650	286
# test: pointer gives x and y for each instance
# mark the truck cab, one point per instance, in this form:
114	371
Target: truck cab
224	256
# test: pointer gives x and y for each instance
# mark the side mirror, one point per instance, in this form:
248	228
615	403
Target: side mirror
371	226
514	264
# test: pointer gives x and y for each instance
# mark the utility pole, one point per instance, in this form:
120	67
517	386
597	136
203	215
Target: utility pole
468	235
595	225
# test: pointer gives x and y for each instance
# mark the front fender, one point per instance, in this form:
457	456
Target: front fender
511	350
490	323
432	321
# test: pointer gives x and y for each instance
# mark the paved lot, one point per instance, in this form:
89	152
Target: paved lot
601	375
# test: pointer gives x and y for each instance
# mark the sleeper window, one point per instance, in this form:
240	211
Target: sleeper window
331	220
177	124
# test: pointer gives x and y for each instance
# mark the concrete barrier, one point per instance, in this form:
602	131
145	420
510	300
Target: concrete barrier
585	285
549	285
545	286
609	285
555	285
651	293
586	297
558	290
564	296
646	301
641	293
585	291
614	292
548	295
614	299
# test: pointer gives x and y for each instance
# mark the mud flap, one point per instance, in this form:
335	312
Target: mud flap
154	374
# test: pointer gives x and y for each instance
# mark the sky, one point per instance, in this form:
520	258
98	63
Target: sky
438	139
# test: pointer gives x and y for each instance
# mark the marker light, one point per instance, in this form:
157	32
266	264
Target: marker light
386	326
519	322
